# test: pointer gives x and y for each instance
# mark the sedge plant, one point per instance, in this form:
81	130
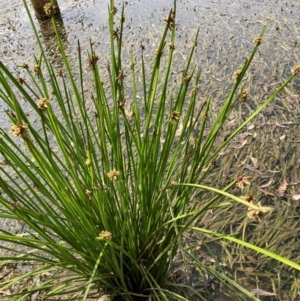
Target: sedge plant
104	181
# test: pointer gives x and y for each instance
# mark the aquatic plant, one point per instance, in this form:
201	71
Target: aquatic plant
107	183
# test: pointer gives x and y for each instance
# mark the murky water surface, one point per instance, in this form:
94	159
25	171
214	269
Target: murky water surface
227	28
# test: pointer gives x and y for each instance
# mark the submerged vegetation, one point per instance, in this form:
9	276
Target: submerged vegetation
110	183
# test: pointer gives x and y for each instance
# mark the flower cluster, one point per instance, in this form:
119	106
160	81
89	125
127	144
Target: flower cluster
104	235
237	74
174	117
113	174
19	130
43	104
242	181
244	96
258	213
170	20
296	69
49	9
257	41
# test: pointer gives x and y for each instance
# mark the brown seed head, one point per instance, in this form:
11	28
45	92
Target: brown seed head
21	80
24	66
114	10
37	70
116	33
158	53
170	20
249	198
59	73
213	163
257	41
142	46
237	74
174	117
244	96
193	92
93	59
171	46
122	104
120	76
187	79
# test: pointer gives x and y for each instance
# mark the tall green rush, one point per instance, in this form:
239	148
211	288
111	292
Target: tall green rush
107	194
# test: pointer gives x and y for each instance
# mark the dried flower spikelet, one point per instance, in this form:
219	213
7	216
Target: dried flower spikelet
113	174
244	96
93	59
193	92
122	104
37	70
173	183
237	74
24	65
59	73
120	76
213	163
158	53
114	10
142	46
296	69
21	80
257	41
43	103
187	79
89	193
170	20
49	9
250	198
258	213
116	33
242	181
104	235
19	130
174	117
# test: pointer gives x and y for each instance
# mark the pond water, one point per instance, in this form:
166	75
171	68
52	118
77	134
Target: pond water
227	29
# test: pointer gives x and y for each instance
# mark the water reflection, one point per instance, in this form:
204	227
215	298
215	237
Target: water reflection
50	40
